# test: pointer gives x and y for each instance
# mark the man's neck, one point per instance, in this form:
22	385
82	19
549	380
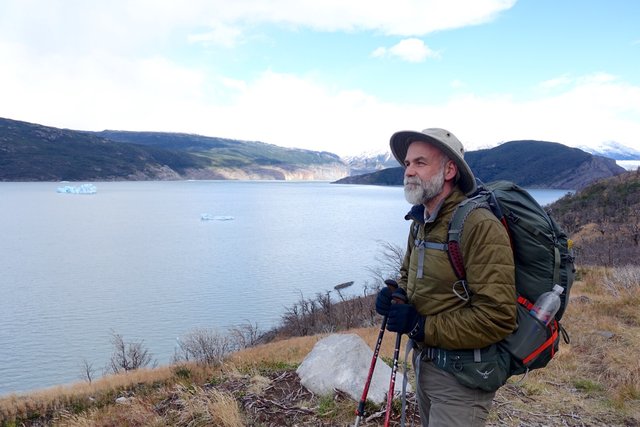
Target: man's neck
434	203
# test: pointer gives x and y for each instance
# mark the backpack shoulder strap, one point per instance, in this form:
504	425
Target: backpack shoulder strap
456	226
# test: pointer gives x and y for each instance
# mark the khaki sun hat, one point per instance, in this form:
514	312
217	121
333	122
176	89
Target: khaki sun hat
445	141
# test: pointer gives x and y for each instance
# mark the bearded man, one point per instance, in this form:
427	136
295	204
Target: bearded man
444	316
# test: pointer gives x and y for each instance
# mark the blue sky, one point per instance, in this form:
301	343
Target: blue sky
333	75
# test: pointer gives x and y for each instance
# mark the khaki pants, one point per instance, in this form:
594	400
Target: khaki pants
443	402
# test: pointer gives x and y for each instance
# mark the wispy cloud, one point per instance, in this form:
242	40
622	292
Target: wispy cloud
410	50
134	23
406	18
220	35
556	82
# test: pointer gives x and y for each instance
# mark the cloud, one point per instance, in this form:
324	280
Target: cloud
300	112
101	91
557	82
410	50
100	65
133	24
594	109
220	35
403	18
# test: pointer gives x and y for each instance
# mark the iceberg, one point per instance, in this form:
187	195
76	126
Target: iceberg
81	189
209	217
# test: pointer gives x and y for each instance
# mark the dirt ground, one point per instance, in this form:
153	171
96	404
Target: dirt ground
283	401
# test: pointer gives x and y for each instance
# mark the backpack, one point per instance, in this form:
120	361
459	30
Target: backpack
542	256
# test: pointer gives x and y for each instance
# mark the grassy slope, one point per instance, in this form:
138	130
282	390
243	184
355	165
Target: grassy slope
593	381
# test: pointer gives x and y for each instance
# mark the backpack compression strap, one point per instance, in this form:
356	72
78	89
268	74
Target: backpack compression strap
455	232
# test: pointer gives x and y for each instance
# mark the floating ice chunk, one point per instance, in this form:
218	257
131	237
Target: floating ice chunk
81	189
209	217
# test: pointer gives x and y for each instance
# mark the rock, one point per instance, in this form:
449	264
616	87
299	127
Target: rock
341	361
606	334
122	400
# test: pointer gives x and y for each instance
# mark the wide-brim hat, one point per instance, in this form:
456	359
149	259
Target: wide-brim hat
442	139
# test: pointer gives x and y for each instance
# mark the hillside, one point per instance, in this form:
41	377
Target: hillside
540	164
31	152
604	220
224	152
531	164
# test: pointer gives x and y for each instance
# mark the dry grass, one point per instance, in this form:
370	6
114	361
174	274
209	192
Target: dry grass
186	406
606	342
77	395
594	380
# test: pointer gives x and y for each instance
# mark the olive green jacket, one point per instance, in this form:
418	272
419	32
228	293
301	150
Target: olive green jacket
456	318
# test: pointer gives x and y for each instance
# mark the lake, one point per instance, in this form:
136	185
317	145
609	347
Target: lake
136	258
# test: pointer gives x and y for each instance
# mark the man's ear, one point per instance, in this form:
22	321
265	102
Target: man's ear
450	170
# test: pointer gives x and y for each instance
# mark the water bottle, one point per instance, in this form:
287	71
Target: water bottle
547	305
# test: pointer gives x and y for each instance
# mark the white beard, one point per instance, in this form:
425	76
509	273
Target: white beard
419	192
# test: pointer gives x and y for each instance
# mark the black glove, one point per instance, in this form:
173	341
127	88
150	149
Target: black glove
383	301
405	319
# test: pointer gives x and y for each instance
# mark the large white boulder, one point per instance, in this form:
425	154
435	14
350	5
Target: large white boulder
342	361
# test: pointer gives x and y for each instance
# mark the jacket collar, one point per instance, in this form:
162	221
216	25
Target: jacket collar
417	212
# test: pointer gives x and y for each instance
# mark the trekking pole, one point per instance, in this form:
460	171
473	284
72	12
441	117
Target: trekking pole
394	369
392	285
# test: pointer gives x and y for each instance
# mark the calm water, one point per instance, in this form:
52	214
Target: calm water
137	259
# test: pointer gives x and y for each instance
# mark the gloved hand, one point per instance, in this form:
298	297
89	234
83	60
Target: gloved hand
383	301
405	319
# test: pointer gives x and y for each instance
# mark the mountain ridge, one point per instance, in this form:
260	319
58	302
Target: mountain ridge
33	152
529	163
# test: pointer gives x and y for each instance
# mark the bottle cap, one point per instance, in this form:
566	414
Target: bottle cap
558	289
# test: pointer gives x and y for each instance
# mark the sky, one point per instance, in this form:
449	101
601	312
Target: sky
327	75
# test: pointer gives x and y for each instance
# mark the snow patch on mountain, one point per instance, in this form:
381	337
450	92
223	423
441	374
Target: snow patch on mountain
370	161
613	150
378	155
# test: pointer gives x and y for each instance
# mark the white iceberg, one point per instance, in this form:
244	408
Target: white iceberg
81	189
209	217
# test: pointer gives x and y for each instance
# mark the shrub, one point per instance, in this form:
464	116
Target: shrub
205	346
128	356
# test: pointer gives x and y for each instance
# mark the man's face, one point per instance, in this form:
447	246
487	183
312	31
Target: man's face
424	173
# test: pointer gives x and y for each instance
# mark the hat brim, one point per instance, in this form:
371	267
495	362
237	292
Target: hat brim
400	142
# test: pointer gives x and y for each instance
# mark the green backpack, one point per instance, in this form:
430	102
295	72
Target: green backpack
543	258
